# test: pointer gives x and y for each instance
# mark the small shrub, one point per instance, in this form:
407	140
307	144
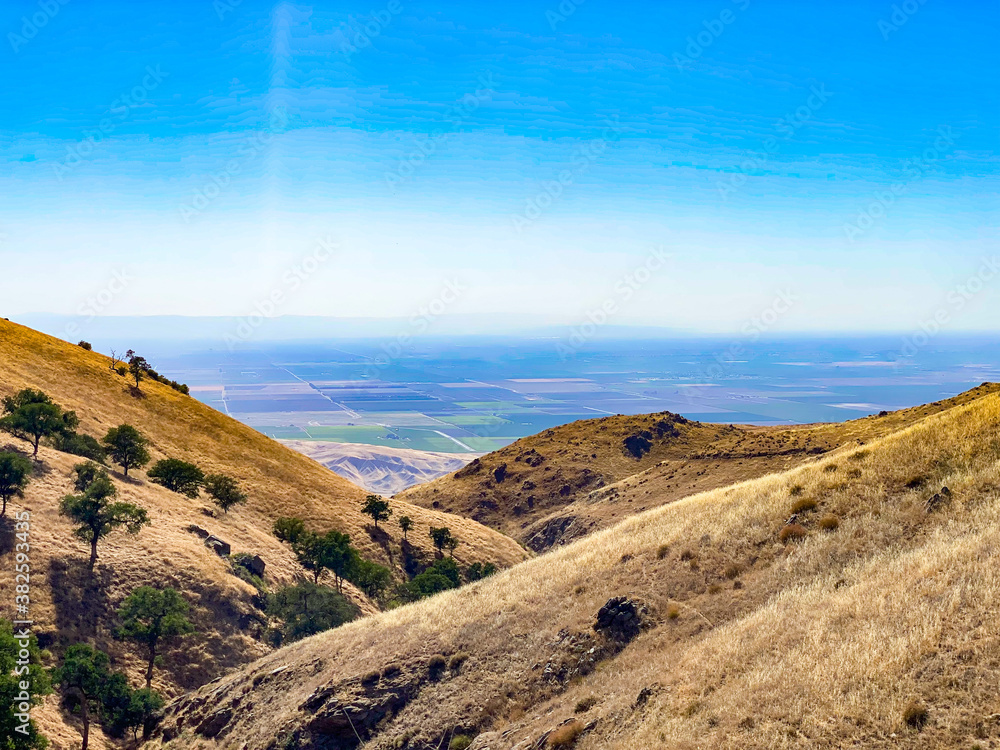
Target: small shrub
791	533
688	555
915	715
733	571
585	704
673	611
85	345
663	551
796	490
436	665
859	455
460	742
915	483
566	735
830	468
455	662
714	588
829	522
803	505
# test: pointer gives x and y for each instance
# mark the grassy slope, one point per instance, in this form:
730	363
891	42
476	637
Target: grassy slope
278	480
586	482
820	643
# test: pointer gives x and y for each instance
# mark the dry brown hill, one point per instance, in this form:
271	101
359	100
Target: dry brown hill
280	482
572	480
868	622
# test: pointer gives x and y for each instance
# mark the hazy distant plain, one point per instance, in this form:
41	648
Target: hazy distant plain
477	394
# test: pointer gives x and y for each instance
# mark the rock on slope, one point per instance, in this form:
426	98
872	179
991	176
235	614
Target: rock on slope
572	480
68	608
834	604
385	471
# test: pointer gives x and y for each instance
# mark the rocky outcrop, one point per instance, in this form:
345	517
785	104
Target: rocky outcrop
620	619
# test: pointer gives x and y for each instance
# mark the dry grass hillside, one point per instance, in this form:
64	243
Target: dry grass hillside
866	620
572	480
68	607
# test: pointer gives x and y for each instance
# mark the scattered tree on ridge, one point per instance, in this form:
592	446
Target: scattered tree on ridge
307	609
370	577
477	571
15	473
82	677
97	514
377	508
441	537
37	678
31	415
79	445
225	491
288	529
86	474
127	447
331	551
126	710
151	615
177	476
137	366
405	523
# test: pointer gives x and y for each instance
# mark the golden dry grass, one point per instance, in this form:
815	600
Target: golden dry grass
68	608
823	643
586	482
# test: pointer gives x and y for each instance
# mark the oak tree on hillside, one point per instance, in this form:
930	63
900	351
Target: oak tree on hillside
15	473
150	616
442	538
405	523
288	529
331	551
225	491
370	577
31	415
97	513
81	679
178	476
126	710
137	366
86	474
377	508
37	679
127	447
307	609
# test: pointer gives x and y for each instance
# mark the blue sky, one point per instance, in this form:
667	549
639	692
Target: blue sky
542	158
